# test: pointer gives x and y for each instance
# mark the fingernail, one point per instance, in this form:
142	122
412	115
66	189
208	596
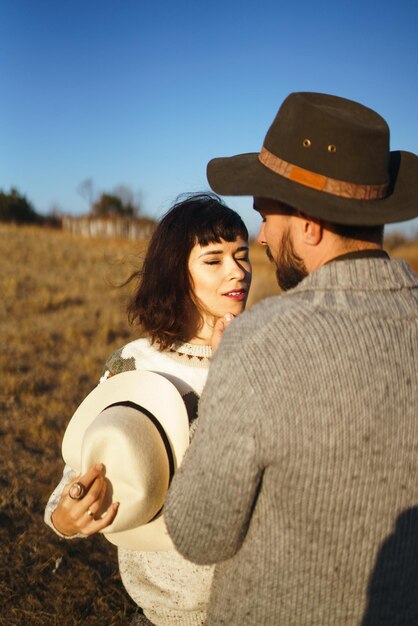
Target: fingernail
113	507
229	317
99	467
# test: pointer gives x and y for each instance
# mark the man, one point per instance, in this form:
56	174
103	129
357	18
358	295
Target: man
301	483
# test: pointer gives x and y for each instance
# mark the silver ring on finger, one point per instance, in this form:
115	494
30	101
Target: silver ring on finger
90	513
77	491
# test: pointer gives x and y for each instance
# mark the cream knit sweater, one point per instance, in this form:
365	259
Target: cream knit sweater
301	482
170	590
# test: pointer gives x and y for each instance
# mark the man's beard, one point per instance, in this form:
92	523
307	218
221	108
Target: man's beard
290	268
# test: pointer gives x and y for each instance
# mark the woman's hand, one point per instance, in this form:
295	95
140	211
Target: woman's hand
218	330
73	516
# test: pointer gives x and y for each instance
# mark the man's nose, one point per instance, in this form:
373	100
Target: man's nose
261	238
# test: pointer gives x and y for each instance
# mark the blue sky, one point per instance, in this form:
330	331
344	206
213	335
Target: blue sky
144	94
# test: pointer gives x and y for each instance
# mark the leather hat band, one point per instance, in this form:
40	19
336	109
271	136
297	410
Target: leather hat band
320	183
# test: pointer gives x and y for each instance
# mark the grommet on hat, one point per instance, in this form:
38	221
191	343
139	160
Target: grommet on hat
360	183
136	424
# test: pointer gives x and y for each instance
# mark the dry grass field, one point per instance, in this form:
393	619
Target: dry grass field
60	316
409	252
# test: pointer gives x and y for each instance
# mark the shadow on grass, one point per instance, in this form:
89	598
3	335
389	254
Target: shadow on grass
393	586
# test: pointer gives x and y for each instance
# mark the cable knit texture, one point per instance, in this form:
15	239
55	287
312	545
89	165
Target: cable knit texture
170	590
301	482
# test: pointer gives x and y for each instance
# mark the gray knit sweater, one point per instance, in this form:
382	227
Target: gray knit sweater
301	482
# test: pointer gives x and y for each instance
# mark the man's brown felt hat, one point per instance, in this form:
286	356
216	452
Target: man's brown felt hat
328	157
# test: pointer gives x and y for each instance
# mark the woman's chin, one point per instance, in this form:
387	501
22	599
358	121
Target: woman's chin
236	308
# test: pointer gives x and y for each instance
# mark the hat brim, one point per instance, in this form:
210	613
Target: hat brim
160	397
244	175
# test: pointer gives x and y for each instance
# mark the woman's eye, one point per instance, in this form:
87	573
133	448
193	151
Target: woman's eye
212	262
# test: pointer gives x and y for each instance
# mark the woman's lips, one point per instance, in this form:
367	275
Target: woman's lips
236	294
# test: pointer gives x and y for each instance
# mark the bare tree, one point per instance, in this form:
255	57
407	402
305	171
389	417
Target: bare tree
86	191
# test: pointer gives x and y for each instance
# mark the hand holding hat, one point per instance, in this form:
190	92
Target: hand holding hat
77	514
136	425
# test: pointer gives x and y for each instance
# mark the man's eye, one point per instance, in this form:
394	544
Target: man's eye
245	258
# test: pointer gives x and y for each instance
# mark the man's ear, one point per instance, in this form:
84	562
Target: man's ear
312	231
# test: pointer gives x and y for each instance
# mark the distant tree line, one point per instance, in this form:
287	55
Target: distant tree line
16	208
112	205
119	203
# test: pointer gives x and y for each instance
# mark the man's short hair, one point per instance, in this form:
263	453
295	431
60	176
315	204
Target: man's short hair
372	234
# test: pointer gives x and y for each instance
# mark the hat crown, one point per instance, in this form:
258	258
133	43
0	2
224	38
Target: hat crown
331	136
129	445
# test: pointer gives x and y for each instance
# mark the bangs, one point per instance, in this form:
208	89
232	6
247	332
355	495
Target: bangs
217	222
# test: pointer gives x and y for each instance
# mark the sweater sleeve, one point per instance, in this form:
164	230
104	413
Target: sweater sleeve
213	493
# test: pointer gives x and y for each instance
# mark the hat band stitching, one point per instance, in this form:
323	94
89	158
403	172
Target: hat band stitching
318	181
162	434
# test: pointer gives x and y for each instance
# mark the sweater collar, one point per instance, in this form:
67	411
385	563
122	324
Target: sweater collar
192	349
369	272
361	254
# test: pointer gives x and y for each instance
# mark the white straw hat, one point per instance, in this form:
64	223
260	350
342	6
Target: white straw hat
136	424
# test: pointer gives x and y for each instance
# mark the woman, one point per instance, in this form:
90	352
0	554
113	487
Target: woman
196	274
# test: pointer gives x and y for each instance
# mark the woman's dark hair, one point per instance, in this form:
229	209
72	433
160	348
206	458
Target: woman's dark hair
163	303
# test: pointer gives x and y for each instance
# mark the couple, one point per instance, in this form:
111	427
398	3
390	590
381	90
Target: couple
300	481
